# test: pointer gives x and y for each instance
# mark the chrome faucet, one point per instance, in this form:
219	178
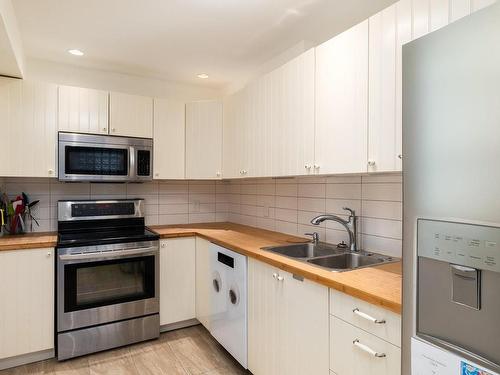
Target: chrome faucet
314	237
350	225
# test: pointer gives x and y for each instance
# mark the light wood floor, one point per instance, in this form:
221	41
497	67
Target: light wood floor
182	352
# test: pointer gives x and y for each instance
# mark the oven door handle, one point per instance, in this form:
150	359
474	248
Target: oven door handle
109	254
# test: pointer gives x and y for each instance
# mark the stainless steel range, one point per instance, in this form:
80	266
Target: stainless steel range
107	277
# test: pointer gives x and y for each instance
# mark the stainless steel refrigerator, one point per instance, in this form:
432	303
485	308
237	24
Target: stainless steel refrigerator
451	178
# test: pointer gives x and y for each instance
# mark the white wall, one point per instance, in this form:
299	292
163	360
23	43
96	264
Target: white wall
41	70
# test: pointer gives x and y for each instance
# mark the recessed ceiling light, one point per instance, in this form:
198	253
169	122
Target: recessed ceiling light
202	76
75	52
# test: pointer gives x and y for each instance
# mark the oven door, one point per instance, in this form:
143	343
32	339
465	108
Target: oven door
82	161
119	283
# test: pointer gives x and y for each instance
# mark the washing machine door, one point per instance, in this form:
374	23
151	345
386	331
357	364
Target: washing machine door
229	314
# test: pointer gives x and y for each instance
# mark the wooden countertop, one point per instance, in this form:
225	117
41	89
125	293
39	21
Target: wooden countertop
28	241
379	285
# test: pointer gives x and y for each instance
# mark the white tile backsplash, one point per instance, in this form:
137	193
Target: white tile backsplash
284	204
166	202
291	203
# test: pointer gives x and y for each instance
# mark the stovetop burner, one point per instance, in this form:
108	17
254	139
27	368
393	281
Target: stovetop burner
101	222
90	238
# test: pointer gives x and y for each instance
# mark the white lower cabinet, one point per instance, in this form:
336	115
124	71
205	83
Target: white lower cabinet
27	297
287	323
203	282
364	339
177	280
357	352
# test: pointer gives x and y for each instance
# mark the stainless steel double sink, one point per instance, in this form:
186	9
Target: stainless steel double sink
330	257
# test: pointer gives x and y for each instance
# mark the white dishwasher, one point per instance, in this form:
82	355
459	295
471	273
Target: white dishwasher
228	313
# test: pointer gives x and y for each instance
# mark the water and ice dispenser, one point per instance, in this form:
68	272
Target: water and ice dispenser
458	289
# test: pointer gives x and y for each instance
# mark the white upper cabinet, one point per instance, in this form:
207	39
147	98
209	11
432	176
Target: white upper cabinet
130	115
480	4
459	9
382	154
204	140
342	102
169	139
83	110
403	36
234	142
28	123
290	111
247	132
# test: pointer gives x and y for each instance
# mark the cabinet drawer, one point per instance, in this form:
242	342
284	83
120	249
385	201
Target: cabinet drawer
356	352
376	320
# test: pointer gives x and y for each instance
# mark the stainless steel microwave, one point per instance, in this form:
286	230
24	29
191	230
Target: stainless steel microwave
102	158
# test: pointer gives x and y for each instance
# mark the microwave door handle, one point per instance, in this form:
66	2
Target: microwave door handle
132	164
110	254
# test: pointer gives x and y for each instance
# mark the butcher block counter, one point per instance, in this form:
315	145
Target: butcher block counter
28	241
380	285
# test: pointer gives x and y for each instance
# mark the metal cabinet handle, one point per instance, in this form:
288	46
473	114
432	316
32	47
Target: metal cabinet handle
275	275
368	317
367	349
371	163
307	166
280	278
400	156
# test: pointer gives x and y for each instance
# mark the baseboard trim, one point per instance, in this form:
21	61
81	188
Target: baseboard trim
24	359
179	325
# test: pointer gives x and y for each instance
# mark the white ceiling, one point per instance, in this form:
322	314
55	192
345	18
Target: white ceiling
177	39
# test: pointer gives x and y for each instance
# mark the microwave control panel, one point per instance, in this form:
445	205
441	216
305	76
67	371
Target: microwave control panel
471	245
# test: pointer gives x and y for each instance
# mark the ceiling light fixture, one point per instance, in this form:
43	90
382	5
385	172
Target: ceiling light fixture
202	76
75	52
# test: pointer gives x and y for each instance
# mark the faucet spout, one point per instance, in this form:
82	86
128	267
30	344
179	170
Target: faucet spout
350	225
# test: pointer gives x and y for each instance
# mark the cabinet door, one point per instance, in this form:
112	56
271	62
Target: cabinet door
291	109
382	153
27	295
404	35
177	280
480	4
439	14
203	282
421	18
204	140
342	102
352	352
169	139
264	297
83	110
130	115
28	121
233	139
459	9
304	319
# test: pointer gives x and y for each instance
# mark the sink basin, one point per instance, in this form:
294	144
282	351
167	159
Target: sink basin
349	261
331	257
306	250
